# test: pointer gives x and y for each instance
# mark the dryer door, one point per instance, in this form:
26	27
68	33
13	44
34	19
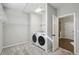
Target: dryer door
41	40
34	38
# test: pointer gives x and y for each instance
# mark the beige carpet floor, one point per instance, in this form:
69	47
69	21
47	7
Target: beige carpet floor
30	49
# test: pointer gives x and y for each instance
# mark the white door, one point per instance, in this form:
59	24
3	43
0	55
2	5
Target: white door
1	37
55	32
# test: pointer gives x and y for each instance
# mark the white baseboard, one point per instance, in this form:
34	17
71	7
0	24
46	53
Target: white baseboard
14	44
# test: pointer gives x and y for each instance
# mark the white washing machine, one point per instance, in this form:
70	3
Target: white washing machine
41	40
34	38
44	42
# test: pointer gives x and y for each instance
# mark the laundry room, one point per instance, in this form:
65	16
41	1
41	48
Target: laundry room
18	27
39	28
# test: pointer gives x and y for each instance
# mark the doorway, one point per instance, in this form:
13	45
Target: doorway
66	32
63	32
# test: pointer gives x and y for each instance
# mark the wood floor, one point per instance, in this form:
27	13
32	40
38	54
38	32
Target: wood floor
30	49
66	44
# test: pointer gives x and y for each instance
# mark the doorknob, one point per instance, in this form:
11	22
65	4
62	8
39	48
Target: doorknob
53	35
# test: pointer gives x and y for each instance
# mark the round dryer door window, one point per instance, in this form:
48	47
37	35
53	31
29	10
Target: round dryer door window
34	38
41	40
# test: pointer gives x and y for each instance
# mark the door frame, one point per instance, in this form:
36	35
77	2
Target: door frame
71	14
55	44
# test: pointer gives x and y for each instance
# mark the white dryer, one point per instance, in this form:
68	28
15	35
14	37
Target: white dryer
44	42
41	40
34	38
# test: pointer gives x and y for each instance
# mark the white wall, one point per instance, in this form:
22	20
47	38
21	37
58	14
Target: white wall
67	27
3	16
3	19
16	29
43	21
50	11
35	23
19	25
61	28
1	36
71	9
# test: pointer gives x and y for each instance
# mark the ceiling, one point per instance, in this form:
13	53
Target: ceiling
33	6
30	7
61	5
27	7
17	6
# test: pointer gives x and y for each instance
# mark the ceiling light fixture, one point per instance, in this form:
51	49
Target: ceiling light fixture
38	10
